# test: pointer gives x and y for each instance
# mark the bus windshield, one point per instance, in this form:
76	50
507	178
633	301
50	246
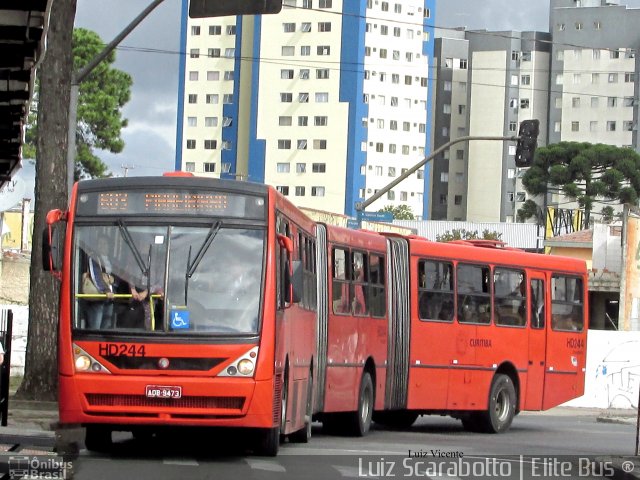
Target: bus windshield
175	280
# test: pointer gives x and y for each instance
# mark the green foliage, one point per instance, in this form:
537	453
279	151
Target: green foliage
584	172
464	234
400	212
102	95
529	209
607	214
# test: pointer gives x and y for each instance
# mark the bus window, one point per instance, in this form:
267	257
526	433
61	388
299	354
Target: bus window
341	293
509	289
537	304
566	303
377	295
360	280
474	294
435	289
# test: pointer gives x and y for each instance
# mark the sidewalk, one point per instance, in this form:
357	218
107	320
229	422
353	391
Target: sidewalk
29	425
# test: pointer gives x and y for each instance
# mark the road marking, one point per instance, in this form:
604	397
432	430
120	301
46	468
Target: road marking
350	472
269	466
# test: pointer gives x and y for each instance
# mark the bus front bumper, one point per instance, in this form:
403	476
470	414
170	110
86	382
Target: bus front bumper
233	402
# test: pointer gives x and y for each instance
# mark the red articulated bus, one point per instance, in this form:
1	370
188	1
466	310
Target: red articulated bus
179	307
200	302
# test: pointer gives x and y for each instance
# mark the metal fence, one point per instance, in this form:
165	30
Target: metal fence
6	328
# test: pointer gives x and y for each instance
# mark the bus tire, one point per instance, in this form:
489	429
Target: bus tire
396	419
268	442
284	398
97	438
360	420
304	434
502	405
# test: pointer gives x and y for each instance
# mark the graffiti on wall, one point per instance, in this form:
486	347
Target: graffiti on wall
620	371
613	370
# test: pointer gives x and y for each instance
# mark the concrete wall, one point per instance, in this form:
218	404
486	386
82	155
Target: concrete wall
613	370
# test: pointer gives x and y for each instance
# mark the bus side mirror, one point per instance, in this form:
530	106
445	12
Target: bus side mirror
53	242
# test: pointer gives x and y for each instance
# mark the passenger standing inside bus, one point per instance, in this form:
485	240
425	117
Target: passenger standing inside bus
100	311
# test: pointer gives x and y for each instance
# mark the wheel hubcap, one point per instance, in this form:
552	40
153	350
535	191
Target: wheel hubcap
502	405
366	406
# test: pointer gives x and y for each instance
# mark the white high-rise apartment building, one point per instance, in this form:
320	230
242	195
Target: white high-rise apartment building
327	100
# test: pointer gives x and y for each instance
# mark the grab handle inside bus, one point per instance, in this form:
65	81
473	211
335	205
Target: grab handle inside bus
53	241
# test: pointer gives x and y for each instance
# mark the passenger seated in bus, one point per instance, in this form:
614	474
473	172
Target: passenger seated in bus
341	298
446	311
564	322
423	305
467	312
359	305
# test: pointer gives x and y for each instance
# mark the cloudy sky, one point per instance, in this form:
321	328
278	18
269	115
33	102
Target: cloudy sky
150	136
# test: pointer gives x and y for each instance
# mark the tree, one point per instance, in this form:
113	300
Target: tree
40	380
530	209
400	212
102	95
587	173
464	234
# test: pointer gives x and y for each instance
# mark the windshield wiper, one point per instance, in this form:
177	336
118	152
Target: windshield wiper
132	246
192	266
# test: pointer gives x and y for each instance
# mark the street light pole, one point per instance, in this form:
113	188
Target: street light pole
79	76
360	206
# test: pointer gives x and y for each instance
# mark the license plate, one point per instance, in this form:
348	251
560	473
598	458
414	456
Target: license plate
161	391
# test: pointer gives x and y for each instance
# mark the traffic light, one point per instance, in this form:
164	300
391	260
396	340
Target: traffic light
222	8
527	142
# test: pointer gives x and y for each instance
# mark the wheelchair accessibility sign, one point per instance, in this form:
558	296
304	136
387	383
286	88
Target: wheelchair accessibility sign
180	319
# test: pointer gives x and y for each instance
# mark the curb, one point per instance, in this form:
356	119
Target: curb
618	420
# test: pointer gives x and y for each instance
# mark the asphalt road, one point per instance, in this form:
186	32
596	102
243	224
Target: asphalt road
541	445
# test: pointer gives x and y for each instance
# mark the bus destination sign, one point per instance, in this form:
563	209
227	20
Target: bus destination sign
171	202
167	203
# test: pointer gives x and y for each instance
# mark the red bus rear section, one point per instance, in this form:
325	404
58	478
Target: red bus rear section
207	303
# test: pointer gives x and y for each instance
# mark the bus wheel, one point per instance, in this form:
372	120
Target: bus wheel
360	421
502	405
268	442
97	438
283	404
304	434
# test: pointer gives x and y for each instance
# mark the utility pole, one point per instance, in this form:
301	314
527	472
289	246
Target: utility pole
80	75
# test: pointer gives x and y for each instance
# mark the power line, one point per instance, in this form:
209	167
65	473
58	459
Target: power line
324	63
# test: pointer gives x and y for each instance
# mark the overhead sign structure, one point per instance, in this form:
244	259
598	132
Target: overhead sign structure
375	217
222	8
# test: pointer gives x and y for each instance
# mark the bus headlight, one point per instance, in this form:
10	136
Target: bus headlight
245	366
242	366
83	363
